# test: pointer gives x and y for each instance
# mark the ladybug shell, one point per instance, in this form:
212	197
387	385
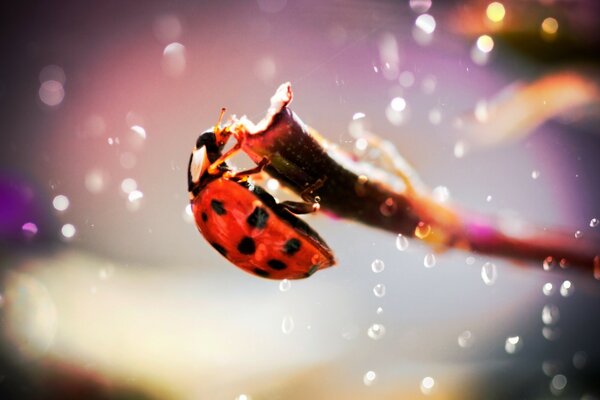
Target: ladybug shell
246	225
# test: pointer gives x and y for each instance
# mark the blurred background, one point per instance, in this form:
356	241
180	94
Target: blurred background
108	291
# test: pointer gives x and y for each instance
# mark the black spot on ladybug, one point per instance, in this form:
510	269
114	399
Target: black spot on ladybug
258	218
276	264
291	247
220	249
217	206
246	246
261	272
204	216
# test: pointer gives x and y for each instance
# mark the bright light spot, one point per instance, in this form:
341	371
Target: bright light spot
51	93
68	231
550	26
495	12
29	228
135	195
243	397
358	115
426	23
61	202
535	174
485	43
369	378
441	194
513	344
427	385
361	144
174	61
128	185
420	6
140	131
272	184
481	111
460	149
398	104
265	69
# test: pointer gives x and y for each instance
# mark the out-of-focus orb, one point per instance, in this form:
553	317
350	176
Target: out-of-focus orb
495	11
167	28
68	231
419	6
427	385
271	6
128	185
550	26
485	43
426	23
51	93
174	60
398	104
95	181
60	202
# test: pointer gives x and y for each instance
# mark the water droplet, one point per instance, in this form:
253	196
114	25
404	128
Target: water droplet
427	385
566	289
379	311
558	384
550	314
594	222
549	263
285	285
488	198
513	344
369	378
465	339
580	359
535	174
376	331
489	273
401	242
377	266
548	289
287	325
60	202
422	230
429	260
358	115
174	59
379	290
68	231
578	234
135	195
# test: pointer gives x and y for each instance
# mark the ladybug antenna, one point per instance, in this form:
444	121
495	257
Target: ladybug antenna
218	125
222	134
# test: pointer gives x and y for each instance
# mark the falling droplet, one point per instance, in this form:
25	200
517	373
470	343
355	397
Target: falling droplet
465	339
285	285
429	261
549	263
287	325
379	290
550	314
377	266
401	242
369	378
427	385
594	222
422	230
489	273
376	331
566	289
513	344
548	289
578	234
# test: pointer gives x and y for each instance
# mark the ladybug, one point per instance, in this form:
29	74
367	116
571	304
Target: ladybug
244	222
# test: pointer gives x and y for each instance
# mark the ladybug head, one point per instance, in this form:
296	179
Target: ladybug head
209	147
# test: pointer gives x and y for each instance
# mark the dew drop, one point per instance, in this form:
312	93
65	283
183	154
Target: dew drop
550	314
285	285
465	339
489	273
369	378
513	344
377	266
427	385
422	230
401	242
287	324
548	289
549	263
429	260
376	331
578	234
379	290
566	288
594	222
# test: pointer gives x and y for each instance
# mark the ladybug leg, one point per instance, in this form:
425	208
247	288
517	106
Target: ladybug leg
307	193
245	173
298	207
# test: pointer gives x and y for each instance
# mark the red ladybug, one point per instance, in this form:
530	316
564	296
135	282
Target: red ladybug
245	223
